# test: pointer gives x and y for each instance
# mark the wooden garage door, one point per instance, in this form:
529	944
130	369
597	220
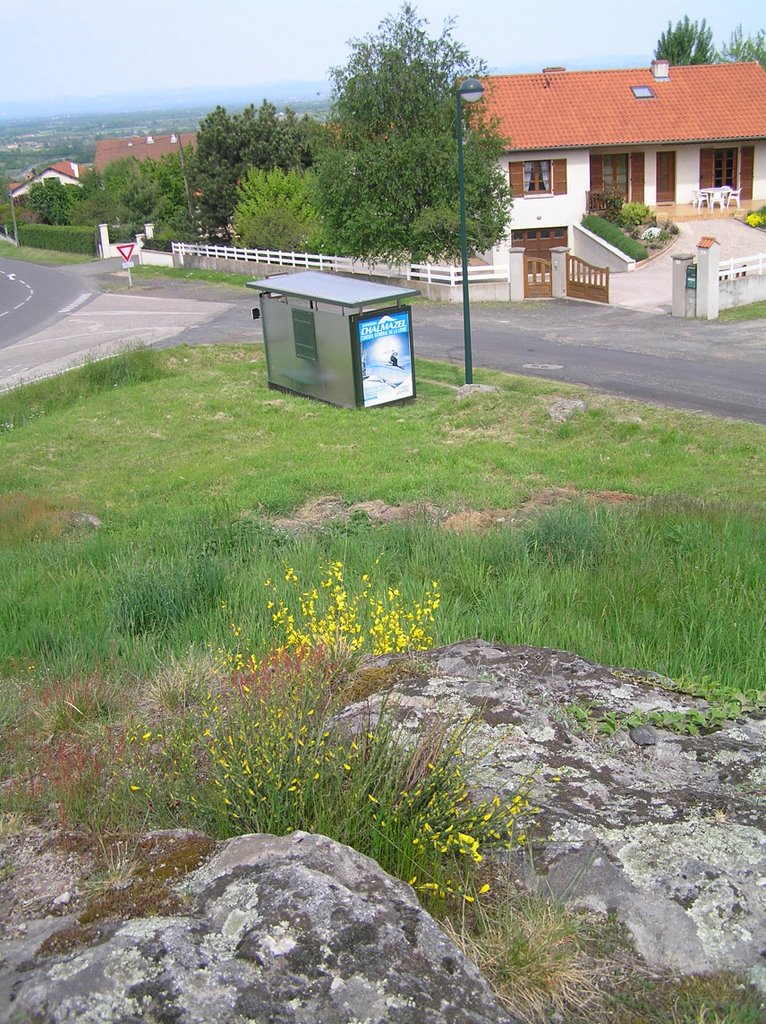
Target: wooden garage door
540	241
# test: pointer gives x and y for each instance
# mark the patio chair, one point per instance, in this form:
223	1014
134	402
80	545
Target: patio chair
733	196
699	199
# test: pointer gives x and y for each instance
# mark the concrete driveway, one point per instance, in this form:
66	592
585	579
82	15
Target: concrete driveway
649	287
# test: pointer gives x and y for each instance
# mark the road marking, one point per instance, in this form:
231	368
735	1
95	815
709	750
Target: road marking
542	366
139	312
76	302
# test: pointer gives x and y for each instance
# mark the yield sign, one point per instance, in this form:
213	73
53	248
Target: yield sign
126	251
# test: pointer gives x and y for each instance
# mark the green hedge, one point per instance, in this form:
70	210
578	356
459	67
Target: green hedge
59	239
612	234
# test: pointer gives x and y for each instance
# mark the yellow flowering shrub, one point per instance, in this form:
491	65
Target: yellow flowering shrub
266	753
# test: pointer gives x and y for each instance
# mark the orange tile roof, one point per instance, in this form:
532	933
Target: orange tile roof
65	167
139	146
559	109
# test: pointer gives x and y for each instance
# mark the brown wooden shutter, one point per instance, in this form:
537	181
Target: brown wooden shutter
516	177
596	172
707	157
560	177
637	177
746	160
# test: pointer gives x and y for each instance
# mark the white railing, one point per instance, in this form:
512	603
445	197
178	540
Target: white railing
427	273
744	266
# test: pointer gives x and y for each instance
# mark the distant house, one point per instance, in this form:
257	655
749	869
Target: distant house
653	134
67	172
142	147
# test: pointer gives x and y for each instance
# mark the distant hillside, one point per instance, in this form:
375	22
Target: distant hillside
280	93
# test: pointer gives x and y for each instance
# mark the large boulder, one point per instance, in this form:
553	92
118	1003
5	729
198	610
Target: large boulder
666	830
287	930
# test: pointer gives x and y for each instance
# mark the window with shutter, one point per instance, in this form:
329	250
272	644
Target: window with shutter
596	172
516	177
746	161
560	177
637	177
706	168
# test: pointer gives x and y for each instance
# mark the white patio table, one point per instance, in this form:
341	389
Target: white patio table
719	195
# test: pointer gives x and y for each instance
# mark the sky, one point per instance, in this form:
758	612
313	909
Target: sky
88	48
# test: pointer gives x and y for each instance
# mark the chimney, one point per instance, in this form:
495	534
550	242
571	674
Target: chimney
661	70
174	138
551	71
149	140
75	168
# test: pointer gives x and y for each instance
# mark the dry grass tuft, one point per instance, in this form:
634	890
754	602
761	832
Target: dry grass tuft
530	950
179	685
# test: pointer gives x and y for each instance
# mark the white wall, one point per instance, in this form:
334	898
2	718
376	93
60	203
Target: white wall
759	172
541	211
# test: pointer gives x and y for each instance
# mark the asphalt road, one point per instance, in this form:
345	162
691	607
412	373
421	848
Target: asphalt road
702	366
712	367
33	297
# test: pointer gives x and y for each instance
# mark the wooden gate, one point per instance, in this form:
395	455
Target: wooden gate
538	278
584	281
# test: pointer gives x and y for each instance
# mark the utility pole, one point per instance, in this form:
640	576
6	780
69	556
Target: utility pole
13	217
182	158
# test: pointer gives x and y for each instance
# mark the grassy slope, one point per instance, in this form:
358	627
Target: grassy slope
185	454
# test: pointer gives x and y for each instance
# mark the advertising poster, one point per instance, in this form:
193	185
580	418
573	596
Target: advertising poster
386	356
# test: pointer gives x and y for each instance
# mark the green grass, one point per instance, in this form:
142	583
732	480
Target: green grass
112	637
23	252
185	457
190	274
753	311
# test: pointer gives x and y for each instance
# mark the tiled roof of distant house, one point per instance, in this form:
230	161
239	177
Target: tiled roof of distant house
67	167
562	109
142	147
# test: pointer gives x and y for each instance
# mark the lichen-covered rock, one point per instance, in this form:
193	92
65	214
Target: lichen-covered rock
286	930
670	834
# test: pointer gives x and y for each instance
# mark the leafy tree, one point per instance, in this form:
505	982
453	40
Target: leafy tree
229	144
276	210
688	42
742	47
53	201
387	173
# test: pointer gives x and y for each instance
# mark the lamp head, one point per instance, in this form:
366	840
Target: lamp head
471	90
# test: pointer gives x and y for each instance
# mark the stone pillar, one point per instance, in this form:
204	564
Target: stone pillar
516	274
559	271
104	245
149	230
684	299
708	260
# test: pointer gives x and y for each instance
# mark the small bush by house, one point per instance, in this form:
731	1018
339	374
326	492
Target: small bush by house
614	236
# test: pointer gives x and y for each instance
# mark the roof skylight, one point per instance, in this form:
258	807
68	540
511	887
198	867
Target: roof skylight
642	92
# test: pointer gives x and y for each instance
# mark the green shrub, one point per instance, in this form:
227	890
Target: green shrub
66	238
634	214
612	234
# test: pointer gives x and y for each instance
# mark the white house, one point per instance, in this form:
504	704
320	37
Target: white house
67	172
654	134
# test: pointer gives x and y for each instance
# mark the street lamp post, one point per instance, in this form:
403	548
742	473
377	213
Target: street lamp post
469	91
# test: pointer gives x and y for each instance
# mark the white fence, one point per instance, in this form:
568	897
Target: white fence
745	266
425	273
741	281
